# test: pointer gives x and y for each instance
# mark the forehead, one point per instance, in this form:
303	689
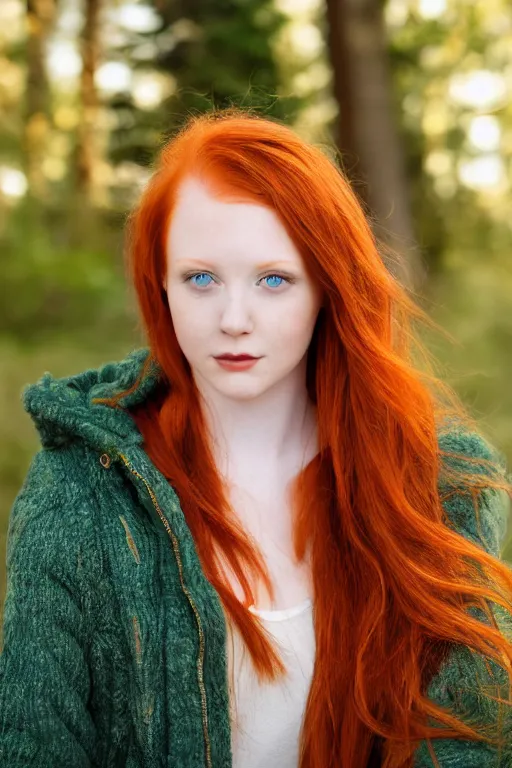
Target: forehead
203	224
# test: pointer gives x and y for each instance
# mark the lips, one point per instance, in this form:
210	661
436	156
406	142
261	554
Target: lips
235	357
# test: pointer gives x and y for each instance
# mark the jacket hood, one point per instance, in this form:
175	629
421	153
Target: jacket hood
64	410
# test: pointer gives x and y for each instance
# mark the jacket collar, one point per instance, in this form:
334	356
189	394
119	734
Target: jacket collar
64	410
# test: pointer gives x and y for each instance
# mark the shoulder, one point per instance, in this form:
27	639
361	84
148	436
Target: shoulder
52	521
56	477
470	471
464	449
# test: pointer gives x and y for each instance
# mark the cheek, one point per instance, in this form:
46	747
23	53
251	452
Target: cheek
293	338
190	323
190	332
295	324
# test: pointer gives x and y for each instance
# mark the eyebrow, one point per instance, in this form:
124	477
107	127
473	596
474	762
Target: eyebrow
260	267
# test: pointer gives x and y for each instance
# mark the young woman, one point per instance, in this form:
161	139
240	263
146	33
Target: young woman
269	539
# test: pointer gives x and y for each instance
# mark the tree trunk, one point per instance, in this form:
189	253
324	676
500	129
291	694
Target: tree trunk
87	145
367	134
40	16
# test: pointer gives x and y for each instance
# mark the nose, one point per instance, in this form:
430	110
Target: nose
236	314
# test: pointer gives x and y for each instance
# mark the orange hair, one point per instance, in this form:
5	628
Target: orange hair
392	579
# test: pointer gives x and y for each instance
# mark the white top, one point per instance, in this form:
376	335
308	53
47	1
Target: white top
267	718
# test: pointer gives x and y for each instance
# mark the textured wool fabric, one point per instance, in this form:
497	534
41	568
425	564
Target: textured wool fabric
114	640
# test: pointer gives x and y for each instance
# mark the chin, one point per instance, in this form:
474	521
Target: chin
241	392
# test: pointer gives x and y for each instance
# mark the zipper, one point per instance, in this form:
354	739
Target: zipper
177	554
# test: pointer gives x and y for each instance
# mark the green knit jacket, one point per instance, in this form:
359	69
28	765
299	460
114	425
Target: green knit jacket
114	641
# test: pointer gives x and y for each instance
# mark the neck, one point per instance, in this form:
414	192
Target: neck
265	434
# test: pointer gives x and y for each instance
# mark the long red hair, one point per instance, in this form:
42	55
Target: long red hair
392	579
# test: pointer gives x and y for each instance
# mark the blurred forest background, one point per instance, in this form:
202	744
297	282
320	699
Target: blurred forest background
415	95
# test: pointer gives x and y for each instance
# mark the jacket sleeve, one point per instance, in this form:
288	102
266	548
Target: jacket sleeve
44	674
466	681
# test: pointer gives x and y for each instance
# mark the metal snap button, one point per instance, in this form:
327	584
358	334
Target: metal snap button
105	460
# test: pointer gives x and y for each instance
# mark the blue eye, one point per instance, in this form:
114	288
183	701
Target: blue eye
271	277
199	274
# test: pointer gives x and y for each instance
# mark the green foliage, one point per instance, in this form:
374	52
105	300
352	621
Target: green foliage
219	54
59	265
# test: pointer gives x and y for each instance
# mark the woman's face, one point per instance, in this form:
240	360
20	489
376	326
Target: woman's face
236	284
